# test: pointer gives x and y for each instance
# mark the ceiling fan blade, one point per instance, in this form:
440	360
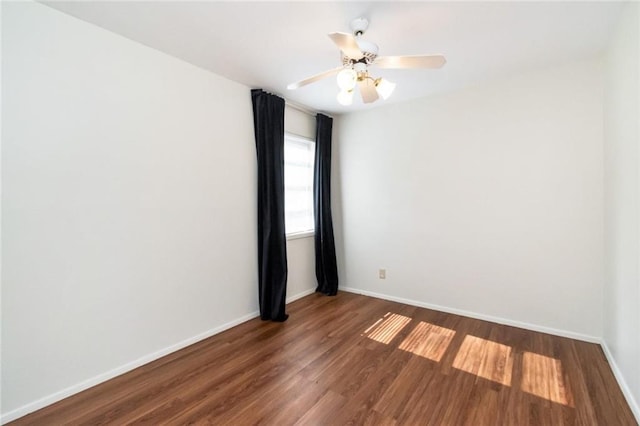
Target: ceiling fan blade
348	44
368	90
314	78
417	61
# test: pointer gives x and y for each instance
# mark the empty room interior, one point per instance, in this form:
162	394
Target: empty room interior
383	213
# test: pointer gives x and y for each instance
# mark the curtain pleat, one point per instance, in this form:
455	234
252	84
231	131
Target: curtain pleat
268	122
325	249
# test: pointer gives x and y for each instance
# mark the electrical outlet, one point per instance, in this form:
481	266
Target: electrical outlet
382	274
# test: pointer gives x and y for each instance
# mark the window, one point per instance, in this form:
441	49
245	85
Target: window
299	156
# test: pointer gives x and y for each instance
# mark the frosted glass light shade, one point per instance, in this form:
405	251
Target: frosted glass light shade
347	79
384	87
345	97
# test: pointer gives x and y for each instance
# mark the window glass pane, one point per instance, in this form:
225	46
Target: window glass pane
298	184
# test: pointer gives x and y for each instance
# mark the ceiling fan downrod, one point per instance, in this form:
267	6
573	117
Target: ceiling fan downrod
359	26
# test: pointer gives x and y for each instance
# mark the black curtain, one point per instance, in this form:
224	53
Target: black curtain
268	124
326	268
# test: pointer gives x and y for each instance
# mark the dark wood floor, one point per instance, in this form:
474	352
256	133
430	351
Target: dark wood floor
353	359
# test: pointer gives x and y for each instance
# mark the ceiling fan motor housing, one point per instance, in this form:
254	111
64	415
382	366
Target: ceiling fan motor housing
369	53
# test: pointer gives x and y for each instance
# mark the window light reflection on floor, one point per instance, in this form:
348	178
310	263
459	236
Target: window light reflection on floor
428	341
486	359
543	376
387	327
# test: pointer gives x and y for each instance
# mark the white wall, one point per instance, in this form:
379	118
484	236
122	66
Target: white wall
486	201
128	205
622	209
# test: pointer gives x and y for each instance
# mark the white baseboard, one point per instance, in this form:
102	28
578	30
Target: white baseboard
301	295
498	320
100	378
621	381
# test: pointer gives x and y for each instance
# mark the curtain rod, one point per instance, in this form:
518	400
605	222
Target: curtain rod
301	108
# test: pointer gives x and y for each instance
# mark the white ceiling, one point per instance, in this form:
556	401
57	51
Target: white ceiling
271	44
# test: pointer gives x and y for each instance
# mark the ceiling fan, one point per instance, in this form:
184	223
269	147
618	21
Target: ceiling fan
357	56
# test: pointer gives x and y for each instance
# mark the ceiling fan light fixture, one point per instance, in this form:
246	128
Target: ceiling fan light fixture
345	97
347	79
360	67
384	87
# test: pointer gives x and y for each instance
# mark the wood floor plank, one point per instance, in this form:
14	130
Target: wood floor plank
296	396
324	411
296	402
361	404
409	381
358	360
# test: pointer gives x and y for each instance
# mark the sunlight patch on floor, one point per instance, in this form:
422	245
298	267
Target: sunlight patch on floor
387	327
486	359
543	376
428	340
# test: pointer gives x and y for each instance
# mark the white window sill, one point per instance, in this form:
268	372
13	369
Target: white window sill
296	235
